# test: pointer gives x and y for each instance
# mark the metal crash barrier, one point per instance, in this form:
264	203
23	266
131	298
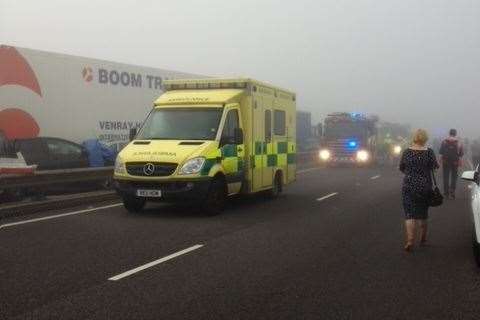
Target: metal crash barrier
309	157
22	194
52	177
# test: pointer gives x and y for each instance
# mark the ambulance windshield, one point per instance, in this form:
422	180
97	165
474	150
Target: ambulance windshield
181	124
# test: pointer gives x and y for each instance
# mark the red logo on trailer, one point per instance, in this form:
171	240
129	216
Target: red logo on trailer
18	124
15	70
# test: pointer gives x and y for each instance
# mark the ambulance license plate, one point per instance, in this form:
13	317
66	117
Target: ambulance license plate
149	193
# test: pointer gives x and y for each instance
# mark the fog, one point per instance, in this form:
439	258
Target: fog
413	61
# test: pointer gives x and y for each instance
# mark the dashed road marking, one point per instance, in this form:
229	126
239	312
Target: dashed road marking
154	263
327	196
375	177
56	216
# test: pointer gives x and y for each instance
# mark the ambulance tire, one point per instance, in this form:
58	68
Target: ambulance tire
134	204
214	203
277	187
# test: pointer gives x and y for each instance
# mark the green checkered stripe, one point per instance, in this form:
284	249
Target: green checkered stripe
277	154
230	160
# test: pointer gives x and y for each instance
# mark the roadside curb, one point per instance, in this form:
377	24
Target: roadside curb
26	208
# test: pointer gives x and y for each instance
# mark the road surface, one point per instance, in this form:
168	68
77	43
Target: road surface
329	248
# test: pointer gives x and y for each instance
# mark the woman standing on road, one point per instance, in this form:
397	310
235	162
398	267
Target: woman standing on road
417	164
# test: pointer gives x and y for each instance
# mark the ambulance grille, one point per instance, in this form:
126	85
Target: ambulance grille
151	169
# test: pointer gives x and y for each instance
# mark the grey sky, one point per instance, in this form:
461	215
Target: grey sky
414	61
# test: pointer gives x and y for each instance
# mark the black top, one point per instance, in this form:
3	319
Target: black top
418	161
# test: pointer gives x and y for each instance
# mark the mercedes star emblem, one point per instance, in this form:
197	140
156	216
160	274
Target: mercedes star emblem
149	169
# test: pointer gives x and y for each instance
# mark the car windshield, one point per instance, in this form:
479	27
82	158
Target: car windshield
344	130
181	124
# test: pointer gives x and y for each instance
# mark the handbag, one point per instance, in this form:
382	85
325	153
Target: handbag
435	198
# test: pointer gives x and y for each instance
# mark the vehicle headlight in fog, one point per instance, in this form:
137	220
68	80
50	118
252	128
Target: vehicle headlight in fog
120	166
193	166
397	150
362	155
324	154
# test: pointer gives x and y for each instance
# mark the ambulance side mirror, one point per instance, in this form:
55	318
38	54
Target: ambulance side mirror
133	133
238	136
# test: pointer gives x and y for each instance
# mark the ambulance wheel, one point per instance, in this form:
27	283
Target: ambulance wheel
277	187
134	204
216	198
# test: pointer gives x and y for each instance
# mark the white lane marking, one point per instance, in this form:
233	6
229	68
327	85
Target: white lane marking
375	177
327	196
58	215
154	263
308	170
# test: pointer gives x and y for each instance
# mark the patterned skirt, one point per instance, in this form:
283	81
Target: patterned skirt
414	206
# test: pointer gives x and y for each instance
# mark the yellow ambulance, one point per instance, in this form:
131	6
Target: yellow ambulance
207	139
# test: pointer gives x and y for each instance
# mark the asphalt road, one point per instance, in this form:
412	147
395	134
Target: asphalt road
329	248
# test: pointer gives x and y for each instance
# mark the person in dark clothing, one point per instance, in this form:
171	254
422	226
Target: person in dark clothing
451	151
417	163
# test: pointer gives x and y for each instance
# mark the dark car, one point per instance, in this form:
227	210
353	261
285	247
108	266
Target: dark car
52	153
48	154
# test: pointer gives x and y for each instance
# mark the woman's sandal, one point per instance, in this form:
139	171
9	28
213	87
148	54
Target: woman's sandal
408	247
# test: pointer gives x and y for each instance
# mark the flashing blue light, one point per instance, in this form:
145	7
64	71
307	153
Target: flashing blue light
351	144
357	115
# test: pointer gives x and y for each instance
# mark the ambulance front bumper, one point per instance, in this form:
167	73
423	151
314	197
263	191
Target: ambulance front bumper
181	190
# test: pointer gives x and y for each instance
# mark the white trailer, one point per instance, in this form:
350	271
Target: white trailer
75	98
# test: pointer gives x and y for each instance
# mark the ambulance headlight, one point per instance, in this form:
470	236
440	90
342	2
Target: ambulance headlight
397	150
193	166
324	154
362	156
119	166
